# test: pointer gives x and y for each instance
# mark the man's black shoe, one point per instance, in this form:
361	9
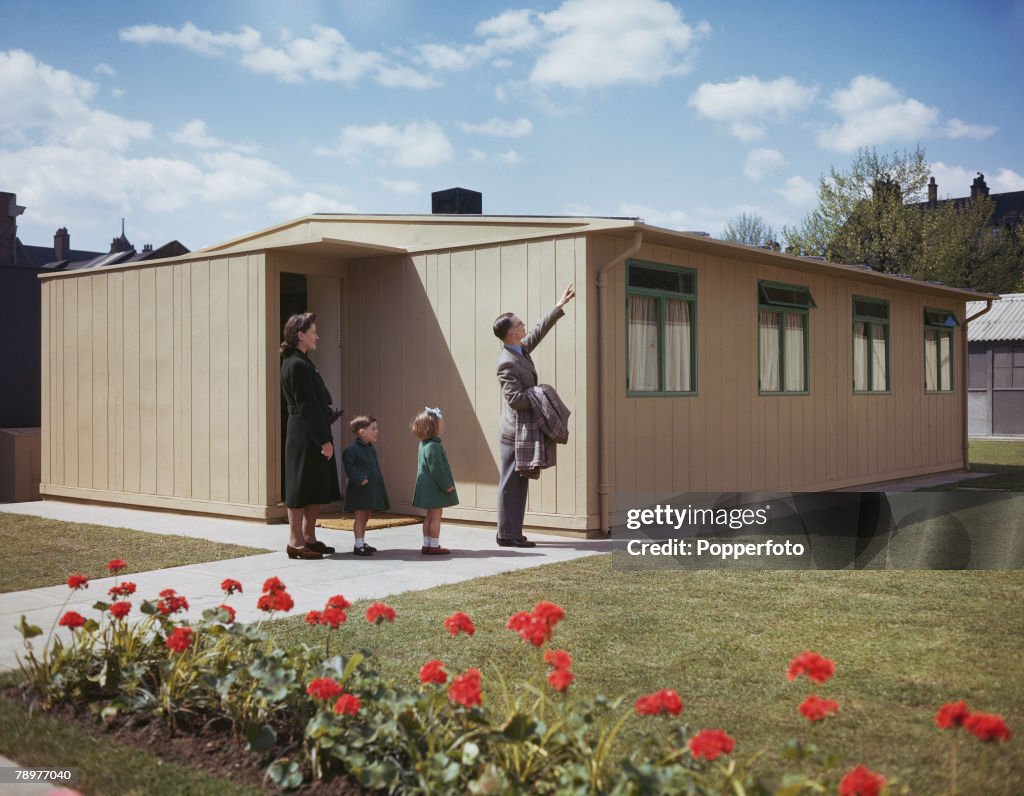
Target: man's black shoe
522	541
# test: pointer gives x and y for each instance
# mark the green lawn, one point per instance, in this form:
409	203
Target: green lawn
41	552
1004	460
904	643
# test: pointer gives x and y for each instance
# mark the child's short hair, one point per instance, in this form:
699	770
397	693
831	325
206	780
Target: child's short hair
357	424
424	425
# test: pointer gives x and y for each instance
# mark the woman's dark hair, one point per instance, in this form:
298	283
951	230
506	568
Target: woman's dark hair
502	324
296	323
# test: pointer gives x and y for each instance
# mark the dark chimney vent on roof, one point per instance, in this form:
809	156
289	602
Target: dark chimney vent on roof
61	244
933	192
979	187
457	201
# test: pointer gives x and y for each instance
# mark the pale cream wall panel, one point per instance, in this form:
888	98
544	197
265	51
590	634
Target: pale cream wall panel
100	384
239	401
495	291
568	360
199	379
183	379
219	345
83	420
165	339
57	342
69	375
148	419
46	371
255	342
473	451
116	349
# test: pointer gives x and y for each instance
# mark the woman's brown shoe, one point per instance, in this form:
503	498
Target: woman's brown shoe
319	547
302	552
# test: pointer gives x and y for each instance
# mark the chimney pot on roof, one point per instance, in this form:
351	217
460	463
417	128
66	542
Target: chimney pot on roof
459	201
933	192
9	212
61	244
978	187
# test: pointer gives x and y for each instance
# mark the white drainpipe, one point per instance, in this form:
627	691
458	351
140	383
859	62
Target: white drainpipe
605	388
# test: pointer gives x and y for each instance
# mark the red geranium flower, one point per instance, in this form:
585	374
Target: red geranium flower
987	727
338	602
120	610
560	659
332	617
347	703
379	612
275	601
171	602
861	782
231	613
180	640
314	618
560	679
230	586
273	585
323	688
664	701
125	589
530	627
951	715
459	623
817	667
465	689
433	672
815	708
78	582
709	744
72	619
116	565
549	613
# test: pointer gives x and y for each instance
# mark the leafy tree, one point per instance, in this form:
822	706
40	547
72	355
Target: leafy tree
750	229
873	214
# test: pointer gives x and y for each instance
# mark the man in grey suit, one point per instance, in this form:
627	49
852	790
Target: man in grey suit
517	374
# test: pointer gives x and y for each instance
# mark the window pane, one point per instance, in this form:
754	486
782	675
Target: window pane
1018	378
945	361
794	364
931	359
785	295
940	318
870	309
643	343
661	279
769	328
860	356
878	358
677	346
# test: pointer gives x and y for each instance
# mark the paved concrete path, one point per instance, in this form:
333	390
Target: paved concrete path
399	566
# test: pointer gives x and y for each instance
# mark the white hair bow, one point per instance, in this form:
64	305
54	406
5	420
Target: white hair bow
433	411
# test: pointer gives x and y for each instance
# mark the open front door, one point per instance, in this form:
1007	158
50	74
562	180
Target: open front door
323	296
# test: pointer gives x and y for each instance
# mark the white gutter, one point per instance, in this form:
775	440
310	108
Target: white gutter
963	399
605	388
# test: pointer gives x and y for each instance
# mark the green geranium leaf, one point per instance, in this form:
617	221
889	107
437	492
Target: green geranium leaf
519	727
261	737
28	631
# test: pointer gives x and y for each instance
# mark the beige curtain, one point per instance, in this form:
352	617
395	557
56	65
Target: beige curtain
878	359
769	376
931	359
945	361
643	343
860	356
795	377
677	346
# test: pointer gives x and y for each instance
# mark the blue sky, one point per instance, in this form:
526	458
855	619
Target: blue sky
201	121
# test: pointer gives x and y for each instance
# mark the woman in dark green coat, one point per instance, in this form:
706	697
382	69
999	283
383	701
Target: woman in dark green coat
310	471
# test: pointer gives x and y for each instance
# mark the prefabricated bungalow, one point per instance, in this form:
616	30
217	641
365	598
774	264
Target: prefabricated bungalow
690	364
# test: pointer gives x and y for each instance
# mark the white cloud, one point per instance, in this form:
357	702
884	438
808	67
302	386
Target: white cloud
1006	180
417	145
760	162
510	158
104	69
441	57
117	93
477	155
606	42
407	187
325	55
873	112
671	219
956	128
501	128
798	191
35	96
307	203
195	134
747	100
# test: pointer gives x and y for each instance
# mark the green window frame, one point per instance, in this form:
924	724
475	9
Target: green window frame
939	349
871	345
783	337
661	329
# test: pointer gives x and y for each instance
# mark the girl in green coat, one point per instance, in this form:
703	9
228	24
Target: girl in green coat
435	487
